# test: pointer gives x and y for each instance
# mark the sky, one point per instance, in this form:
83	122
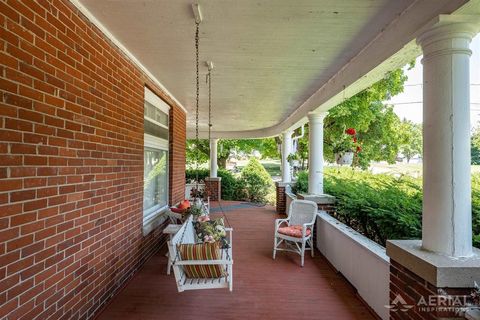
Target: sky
409	103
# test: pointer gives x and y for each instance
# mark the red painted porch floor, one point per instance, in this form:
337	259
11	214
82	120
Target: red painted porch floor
263	288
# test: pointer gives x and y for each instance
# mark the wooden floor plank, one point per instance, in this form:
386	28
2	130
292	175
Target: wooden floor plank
263	288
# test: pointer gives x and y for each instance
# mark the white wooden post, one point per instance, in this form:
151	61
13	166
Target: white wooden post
315	153
447	210
213	158
286	150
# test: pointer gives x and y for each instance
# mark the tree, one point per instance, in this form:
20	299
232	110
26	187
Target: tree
410	139
376	123
201	150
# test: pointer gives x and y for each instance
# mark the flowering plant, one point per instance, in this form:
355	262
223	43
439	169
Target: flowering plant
348	142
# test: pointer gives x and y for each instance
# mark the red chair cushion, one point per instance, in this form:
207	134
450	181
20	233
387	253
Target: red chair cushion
293	231
177	210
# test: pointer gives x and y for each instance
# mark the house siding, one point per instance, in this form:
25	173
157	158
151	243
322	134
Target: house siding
71	163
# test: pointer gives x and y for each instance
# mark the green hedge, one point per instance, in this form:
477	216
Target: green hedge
253	184
382	206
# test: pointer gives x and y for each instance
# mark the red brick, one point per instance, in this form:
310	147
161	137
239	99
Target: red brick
10	209
8	160
7	135
22	172
17	148
20	125
12	184
22	195
35	160
19	242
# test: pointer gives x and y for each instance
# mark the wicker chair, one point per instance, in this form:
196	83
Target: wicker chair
301	217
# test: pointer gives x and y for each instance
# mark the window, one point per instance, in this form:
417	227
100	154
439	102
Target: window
155	157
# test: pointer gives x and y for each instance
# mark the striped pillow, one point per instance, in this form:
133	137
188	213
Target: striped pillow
201	251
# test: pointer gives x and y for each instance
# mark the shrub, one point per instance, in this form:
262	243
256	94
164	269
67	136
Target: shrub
379	206
301	185
191	174
255	183
229	182
382	206
229	185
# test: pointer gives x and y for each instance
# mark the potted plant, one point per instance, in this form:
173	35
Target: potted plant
346	147
293	159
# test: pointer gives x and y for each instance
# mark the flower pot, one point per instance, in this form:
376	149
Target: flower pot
344	158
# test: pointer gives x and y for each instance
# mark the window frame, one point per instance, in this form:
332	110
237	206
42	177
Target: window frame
156	143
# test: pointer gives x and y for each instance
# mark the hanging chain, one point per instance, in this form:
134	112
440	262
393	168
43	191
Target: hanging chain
197	101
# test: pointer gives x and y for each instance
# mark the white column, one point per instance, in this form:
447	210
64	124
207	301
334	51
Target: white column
286	150
315	153
447	209
213	158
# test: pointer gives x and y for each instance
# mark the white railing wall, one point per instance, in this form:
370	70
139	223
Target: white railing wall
362	261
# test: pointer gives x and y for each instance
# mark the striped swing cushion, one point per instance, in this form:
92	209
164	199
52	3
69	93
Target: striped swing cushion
201	251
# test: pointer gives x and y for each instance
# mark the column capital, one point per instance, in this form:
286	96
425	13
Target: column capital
288	131
436	38
316	116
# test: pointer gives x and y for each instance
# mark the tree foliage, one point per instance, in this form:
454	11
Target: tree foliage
378	128
410	139
375	122
226	147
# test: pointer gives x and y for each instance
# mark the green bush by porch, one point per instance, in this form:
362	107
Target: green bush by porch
253	184
382	206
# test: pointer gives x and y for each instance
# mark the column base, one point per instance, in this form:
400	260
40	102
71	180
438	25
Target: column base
324	202
425	284
213	188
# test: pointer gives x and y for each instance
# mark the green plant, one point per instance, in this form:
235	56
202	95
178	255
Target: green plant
191	174
292	156
255	182
228	185
382	206
379	206
301	185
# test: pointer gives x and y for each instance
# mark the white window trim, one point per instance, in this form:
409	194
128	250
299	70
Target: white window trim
153	142
156	101
154	216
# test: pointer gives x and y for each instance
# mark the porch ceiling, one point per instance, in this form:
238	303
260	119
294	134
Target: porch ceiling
272	58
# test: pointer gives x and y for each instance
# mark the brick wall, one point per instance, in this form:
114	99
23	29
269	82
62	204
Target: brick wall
421	297
281	199
71	163
213	188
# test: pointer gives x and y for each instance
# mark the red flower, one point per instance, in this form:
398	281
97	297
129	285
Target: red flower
359	149
355	139
351	131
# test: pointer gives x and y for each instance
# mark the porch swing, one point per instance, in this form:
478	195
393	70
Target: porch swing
199	264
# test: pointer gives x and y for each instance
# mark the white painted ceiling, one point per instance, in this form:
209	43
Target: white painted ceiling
269	56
